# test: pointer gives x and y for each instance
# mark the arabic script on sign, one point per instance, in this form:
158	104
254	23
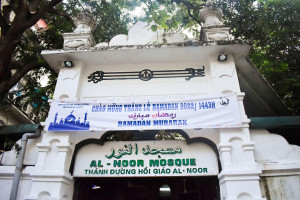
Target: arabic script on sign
129	149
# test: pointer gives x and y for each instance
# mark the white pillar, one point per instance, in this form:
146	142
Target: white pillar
50	177
239	178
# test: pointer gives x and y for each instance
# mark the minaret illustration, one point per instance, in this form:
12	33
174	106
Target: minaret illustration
69	123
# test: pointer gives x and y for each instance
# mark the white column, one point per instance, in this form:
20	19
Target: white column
224	150
65	153
43	149
239	178
50	177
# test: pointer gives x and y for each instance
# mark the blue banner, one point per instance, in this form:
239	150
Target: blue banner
143	113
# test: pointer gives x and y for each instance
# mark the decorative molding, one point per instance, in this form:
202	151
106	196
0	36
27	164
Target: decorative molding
82	35
245	123
239	175
211	15
146	74
51	176
216	33
43	147
279	167
248	146
65	147
85	22
241	96
224	147
78	40
213	28
280	172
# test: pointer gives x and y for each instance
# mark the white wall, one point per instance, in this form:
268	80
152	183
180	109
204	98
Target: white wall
281	187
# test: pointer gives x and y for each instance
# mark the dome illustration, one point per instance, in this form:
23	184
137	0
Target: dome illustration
69	123
70	117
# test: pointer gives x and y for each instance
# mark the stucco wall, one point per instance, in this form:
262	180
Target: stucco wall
281	187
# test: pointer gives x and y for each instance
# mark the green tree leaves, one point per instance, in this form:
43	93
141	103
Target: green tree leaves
273	27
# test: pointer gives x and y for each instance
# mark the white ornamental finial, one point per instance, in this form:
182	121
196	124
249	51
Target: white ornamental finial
211	15
85	22
88	9
213	28
82	35
209	3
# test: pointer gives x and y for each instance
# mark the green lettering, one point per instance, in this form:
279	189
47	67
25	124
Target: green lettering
125	163
193	161
132	163
154	163
163	162
178	162
93	163
185	162
99	163
170	162
140	163
117	163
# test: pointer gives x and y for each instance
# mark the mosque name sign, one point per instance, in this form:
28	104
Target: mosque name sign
142	113
148	158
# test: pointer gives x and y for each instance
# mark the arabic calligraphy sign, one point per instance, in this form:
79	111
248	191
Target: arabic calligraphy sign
145	158
144	113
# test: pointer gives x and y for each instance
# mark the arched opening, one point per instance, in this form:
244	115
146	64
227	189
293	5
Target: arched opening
156	184
182	188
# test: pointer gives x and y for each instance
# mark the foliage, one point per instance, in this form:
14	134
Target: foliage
24	59
7	142
21	46
18	49
273	26
108	16
144	135
167	135
120	136
175	15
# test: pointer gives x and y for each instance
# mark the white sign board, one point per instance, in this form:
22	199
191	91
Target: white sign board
145	158
145	113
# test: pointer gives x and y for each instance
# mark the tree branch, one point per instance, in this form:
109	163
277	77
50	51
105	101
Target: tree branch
65	15
4	26
6	85
13	6
190	14
34	5
15	65
23	2
41	12
187	4
189	7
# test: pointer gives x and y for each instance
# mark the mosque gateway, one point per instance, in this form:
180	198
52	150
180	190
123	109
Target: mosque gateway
151	116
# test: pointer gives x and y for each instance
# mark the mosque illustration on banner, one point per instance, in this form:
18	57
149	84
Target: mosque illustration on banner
69	124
